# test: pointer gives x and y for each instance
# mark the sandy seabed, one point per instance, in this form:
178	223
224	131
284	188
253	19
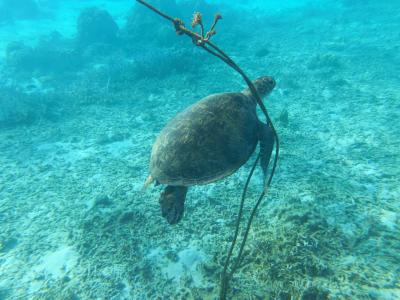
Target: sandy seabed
75	224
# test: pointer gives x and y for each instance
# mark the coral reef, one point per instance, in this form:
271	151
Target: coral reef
26	107
142	26
50	55
96	26
18	55
161	63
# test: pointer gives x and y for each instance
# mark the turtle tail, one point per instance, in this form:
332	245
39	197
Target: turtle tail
172	202
148	181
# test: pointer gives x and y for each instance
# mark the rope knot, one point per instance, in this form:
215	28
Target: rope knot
178	24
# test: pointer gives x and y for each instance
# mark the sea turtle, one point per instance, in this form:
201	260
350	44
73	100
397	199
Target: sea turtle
206	142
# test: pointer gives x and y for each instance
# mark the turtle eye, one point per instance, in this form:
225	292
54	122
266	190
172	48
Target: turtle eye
271	81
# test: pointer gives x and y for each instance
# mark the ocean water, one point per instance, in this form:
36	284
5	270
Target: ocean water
87	86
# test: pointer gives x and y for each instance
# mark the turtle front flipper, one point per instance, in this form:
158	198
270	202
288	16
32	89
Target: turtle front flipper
172	202
266	137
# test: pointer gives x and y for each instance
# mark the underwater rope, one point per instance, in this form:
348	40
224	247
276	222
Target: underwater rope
203	41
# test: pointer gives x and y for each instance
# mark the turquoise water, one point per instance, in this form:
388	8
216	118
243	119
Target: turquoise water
87	86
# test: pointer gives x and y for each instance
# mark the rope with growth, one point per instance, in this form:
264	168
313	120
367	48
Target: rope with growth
203	40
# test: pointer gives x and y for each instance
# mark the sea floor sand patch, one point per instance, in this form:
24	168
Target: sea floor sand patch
183	265
61	153
390	219
187	264
57	263
117	149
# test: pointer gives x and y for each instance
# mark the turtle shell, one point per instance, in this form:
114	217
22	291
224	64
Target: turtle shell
208	141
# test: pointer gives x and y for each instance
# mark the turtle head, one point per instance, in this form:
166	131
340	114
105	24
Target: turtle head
264	86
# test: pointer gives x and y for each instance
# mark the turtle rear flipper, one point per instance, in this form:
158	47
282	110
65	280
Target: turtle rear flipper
148	181
267	140
172	202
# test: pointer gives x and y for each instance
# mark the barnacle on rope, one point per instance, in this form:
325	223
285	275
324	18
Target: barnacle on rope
212	31
197	19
